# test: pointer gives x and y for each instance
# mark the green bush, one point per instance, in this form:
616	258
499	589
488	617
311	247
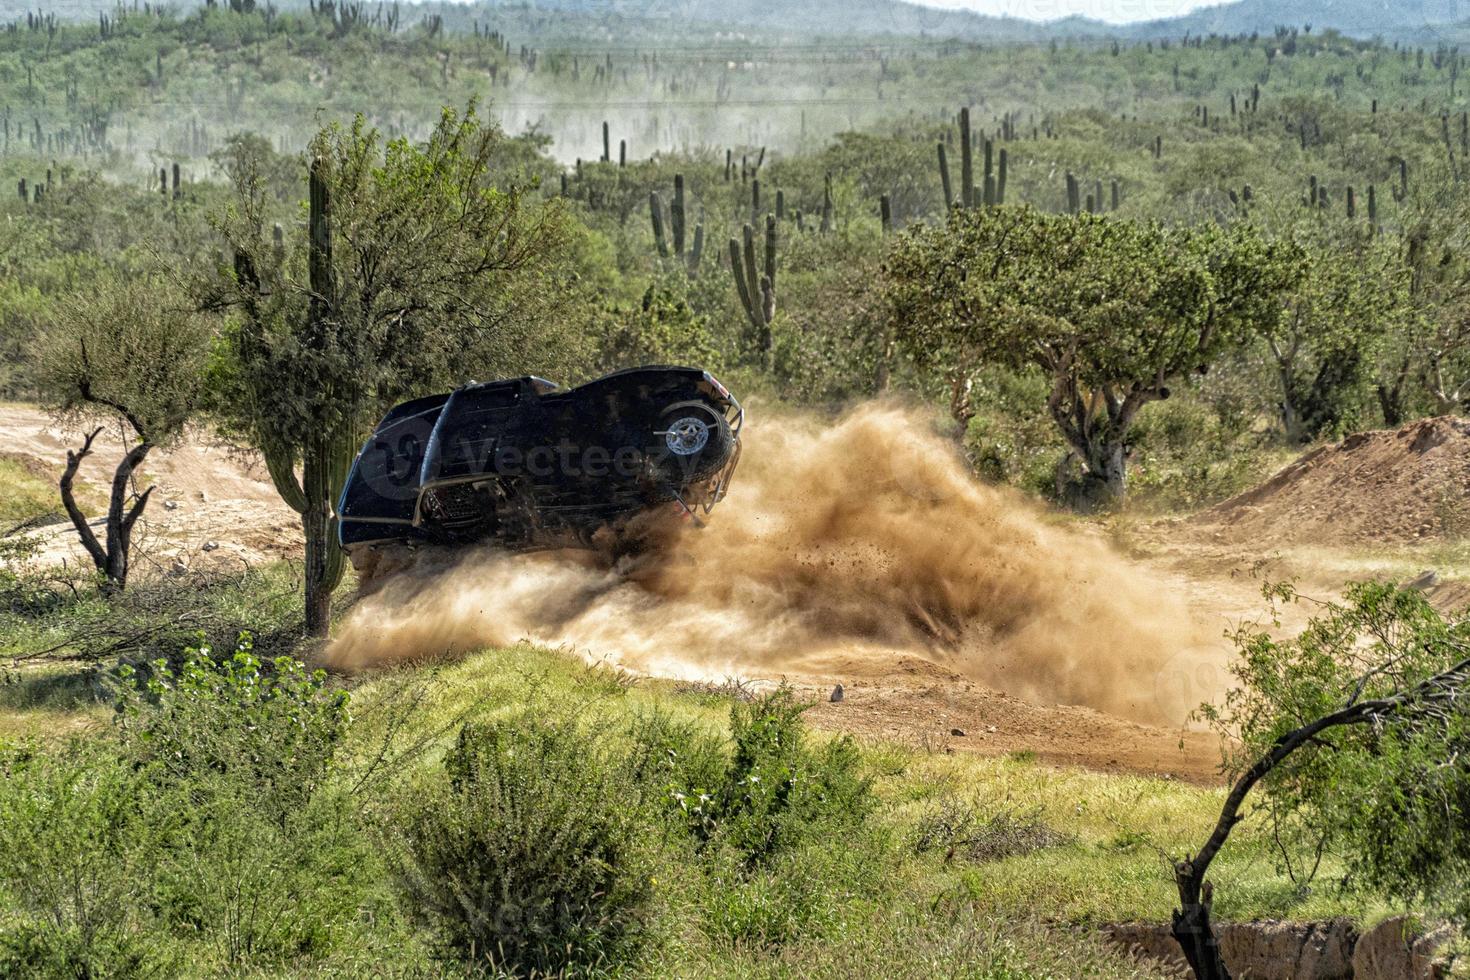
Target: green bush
206	824
960	829
73	853
776	791
527	856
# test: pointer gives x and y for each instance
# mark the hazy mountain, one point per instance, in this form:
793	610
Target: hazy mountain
1423	21
1360	18
793	17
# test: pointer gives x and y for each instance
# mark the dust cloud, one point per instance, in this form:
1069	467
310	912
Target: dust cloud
846	549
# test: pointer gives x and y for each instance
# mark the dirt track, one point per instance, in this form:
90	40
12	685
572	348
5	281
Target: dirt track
213	505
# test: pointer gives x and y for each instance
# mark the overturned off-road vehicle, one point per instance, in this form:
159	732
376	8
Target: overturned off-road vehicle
525	463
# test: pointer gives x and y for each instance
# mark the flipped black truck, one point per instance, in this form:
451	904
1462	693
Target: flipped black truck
526	464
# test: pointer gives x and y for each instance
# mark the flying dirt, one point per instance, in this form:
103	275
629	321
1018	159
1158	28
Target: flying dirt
846	546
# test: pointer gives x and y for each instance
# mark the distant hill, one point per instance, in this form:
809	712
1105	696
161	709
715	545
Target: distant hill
1360	18
787	17
1420	21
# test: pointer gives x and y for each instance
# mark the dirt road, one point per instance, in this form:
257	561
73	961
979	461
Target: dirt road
215	505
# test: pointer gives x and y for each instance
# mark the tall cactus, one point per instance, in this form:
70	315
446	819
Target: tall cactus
1074	201
757	292
1401	190
327	455
656	214
678	224
827	205
944	177
967	163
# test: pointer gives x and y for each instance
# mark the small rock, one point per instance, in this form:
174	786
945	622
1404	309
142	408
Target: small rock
990	728
1426	580
202	498
170	505
957	732
211	545
836	694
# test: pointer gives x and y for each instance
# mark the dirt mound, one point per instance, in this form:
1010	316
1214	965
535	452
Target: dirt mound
1388	487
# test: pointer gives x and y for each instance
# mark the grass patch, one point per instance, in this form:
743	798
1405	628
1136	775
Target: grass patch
30	493
730	840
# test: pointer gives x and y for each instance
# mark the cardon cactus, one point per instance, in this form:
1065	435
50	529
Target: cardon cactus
757	292
967	165
944	176
678	212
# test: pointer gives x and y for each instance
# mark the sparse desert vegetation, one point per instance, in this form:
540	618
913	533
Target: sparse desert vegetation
1095	565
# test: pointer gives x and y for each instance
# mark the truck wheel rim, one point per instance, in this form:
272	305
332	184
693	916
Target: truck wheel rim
687	436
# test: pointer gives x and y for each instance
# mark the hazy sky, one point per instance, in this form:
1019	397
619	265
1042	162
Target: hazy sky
1113	11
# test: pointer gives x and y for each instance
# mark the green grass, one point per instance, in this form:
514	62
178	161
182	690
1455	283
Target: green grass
867	903
1125	828
28	494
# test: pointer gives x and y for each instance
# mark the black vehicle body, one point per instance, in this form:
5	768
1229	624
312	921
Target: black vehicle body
528	464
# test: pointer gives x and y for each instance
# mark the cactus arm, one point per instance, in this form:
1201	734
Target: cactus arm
676	215
967	165
751	279
738	270
280	462
655	211
697	251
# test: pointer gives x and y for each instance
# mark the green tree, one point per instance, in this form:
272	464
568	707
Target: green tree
1355	733
129	350
1111	311
412	270
1352	297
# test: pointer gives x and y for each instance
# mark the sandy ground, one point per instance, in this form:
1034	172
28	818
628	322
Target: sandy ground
211	505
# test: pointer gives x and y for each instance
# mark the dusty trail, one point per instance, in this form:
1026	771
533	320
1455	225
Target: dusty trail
843	552
857	552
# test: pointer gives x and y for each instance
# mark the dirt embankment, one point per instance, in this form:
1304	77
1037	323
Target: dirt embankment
1388	487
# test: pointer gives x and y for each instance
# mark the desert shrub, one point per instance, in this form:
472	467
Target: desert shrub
1189	452
73	850
55	611
526	855
813	889
962	830
776	790
669	760
661	329
29	589
205	823
256	852
262	885
272	728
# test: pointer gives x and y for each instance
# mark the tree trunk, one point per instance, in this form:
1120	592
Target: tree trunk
112	559
1192	927
961	406
323	471
1391	397
1109	464
121	517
